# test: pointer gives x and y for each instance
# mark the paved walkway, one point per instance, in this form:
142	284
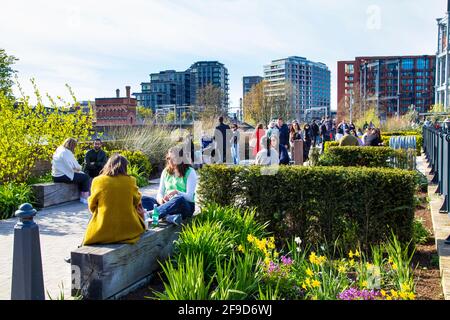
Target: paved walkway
441	226
61	230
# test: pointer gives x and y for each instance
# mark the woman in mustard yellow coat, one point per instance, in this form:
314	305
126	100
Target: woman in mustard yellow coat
115	204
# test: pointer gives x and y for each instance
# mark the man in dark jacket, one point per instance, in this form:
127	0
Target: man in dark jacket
94	160
284	133
315	133
220	136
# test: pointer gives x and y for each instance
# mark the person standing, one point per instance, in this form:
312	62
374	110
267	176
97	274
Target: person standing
235	143
307	137
256	138
66	169
220	136
284	133
94	160
316	133
268	155
325	134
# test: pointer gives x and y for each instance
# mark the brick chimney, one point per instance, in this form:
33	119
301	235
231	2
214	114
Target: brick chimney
128	88
117	93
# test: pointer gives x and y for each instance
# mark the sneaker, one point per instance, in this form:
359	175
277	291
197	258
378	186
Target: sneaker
447	241
174	218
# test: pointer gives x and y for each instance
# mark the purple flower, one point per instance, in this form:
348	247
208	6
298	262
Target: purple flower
286	260
355	294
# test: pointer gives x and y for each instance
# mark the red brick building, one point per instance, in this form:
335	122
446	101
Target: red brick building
116	111
391	84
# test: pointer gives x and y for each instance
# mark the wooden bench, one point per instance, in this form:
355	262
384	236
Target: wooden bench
102	272
51	193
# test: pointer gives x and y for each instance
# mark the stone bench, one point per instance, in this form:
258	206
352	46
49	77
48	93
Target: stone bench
52	193
102	272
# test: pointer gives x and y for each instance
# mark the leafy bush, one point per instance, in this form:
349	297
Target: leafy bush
319	203
42	179
420	234
136	159
329	144
207	238
365	157
11	197
141	180
186	280
29	132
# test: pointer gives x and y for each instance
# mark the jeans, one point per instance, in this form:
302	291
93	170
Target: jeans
81	179
235	153
177	205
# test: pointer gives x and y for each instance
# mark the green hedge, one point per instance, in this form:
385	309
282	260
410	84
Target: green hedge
385	137
365	157
319	204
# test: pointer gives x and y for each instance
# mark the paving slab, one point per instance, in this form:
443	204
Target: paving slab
61	230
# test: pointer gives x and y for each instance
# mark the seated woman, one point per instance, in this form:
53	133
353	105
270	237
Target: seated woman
268	155
115	206
65	168
176	194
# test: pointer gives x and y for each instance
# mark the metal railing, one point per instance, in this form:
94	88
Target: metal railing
436	144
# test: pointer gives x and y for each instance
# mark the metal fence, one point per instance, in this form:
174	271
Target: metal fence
436	144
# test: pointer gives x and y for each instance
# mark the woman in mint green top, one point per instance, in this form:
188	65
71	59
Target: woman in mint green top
176	194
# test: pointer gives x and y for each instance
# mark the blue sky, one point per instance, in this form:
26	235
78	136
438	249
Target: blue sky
98	46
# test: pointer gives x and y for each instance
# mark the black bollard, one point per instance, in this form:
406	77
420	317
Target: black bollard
27	277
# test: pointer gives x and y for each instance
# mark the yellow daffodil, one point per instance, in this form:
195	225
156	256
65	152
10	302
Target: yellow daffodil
312	257
394	266
388	298
308	282
390	260
241	248
351	263
394	294
403	295
267	261
316	284
364	284
411	296
250	238
357	254
383	293
342	269
276	254
304	286
309	272
351	254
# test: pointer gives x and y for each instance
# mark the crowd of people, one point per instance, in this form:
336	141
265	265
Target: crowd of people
278	139
119	209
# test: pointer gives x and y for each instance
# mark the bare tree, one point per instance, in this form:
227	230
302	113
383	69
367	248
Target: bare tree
210	102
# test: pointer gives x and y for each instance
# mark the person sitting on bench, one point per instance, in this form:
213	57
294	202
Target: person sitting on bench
66	169
176	189
115	204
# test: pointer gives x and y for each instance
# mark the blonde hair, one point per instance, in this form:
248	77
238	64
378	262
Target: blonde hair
71	144
116	165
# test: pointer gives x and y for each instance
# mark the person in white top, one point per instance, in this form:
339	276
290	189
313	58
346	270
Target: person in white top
268	156
66	169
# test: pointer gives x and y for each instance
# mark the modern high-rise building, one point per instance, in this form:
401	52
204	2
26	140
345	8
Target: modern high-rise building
389	84
165	88
442	61
210	72
249	82
173	88
305	85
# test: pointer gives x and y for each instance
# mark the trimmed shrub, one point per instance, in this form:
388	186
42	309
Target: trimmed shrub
329	144
364	157
319	204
